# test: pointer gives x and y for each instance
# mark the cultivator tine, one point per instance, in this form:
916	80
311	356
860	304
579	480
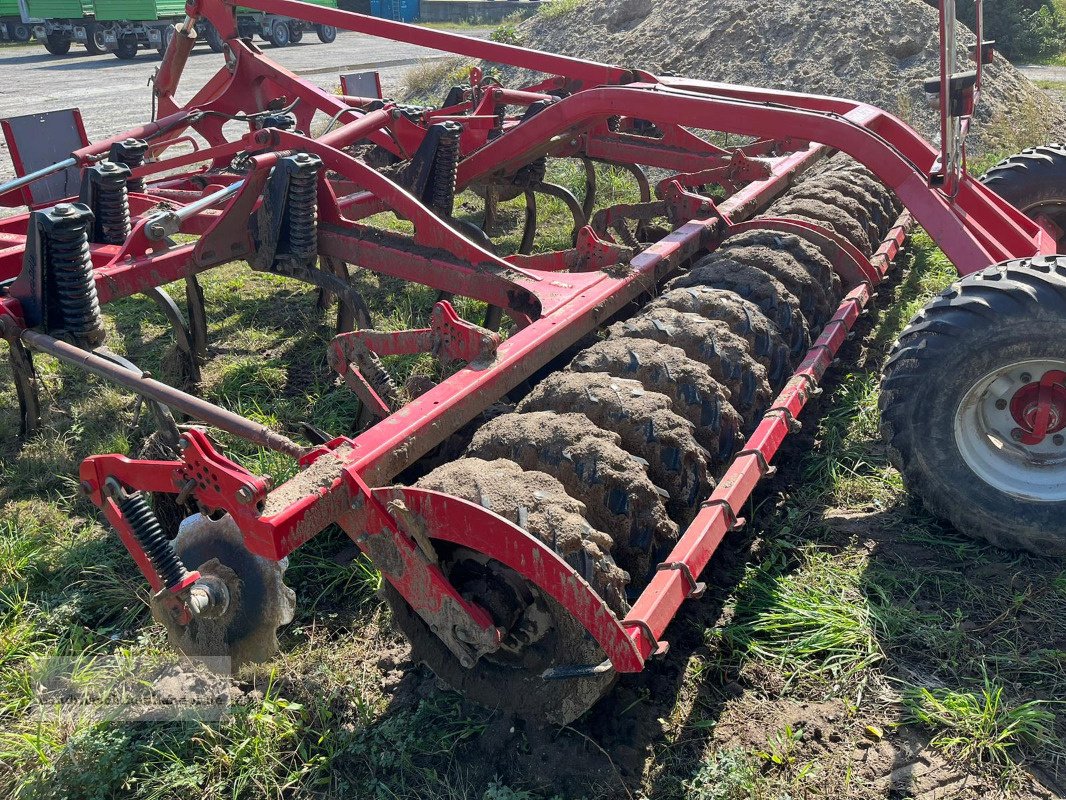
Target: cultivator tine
588	204
529	224
26	384
188	358
571	203
194	302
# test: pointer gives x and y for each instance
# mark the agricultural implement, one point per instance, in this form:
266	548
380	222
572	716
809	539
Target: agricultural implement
561	492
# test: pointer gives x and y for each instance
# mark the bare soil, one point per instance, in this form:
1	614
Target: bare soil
875	51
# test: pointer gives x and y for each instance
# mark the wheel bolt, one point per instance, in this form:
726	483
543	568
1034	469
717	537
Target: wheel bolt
1058	440
1026	377
1016	434
1001	404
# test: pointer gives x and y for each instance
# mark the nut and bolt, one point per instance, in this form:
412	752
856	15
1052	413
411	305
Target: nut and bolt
1016	434
1026	377
245	494
1001	404
1058	440
64	210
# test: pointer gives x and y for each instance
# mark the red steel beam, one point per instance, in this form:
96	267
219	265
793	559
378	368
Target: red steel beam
660	601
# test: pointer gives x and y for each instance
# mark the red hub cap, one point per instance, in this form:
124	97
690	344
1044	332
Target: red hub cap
1039	408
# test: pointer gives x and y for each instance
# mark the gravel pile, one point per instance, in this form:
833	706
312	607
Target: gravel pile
877	51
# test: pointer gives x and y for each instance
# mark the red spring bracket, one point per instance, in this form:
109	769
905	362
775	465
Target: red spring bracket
684	206
450	338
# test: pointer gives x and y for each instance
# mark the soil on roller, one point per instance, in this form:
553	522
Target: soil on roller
693	391
539	504
817	265
768	293
592	466
742	316
864	188
853	201
711	343
815	302
647	425
825	214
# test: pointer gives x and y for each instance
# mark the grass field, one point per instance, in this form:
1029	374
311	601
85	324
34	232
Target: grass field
849	646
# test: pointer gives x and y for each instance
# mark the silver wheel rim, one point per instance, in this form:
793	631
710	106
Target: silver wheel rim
983	433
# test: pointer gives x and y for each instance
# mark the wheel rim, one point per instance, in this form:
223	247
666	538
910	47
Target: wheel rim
1054	211
1011	430
98	41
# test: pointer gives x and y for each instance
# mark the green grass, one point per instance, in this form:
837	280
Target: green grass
980	724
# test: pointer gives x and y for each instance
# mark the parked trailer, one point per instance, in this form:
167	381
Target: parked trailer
13	27
129	25
63	22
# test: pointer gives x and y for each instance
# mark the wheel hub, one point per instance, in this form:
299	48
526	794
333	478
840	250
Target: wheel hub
1009	430
1039	408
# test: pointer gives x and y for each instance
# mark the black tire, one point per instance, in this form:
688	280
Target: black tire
937	401
296	33
1034	181
326	33
19	31
94	40
57	45
126	49
166	36
213	38
279	33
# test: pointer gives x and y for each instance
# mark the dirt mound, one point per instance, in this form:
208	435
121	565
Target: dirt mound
877	51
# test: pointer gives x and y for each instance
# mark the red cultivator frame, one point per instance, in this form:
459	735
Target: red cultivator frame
291	200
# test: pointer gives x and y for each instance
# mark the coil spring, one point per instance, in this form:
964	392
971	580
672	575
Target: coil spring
149	533
73	284
497	125
445	169
131	153
111	209
302	207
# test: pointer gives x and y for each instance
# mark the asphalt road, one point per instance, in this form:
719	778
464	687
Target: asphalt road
113	95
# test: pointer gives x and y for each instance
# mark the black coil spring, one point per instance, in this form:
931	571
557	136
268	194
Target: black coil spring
149	533
112	211
303	212
445	169
497	125
131	161
74	286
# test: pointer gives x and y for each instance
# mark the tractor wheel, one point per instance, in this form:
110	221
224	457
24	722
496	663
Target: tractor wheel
279	34
166	36
126	49
20	31
973	405
1034	181
213	38
57	44
326	33
94	40
296	33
